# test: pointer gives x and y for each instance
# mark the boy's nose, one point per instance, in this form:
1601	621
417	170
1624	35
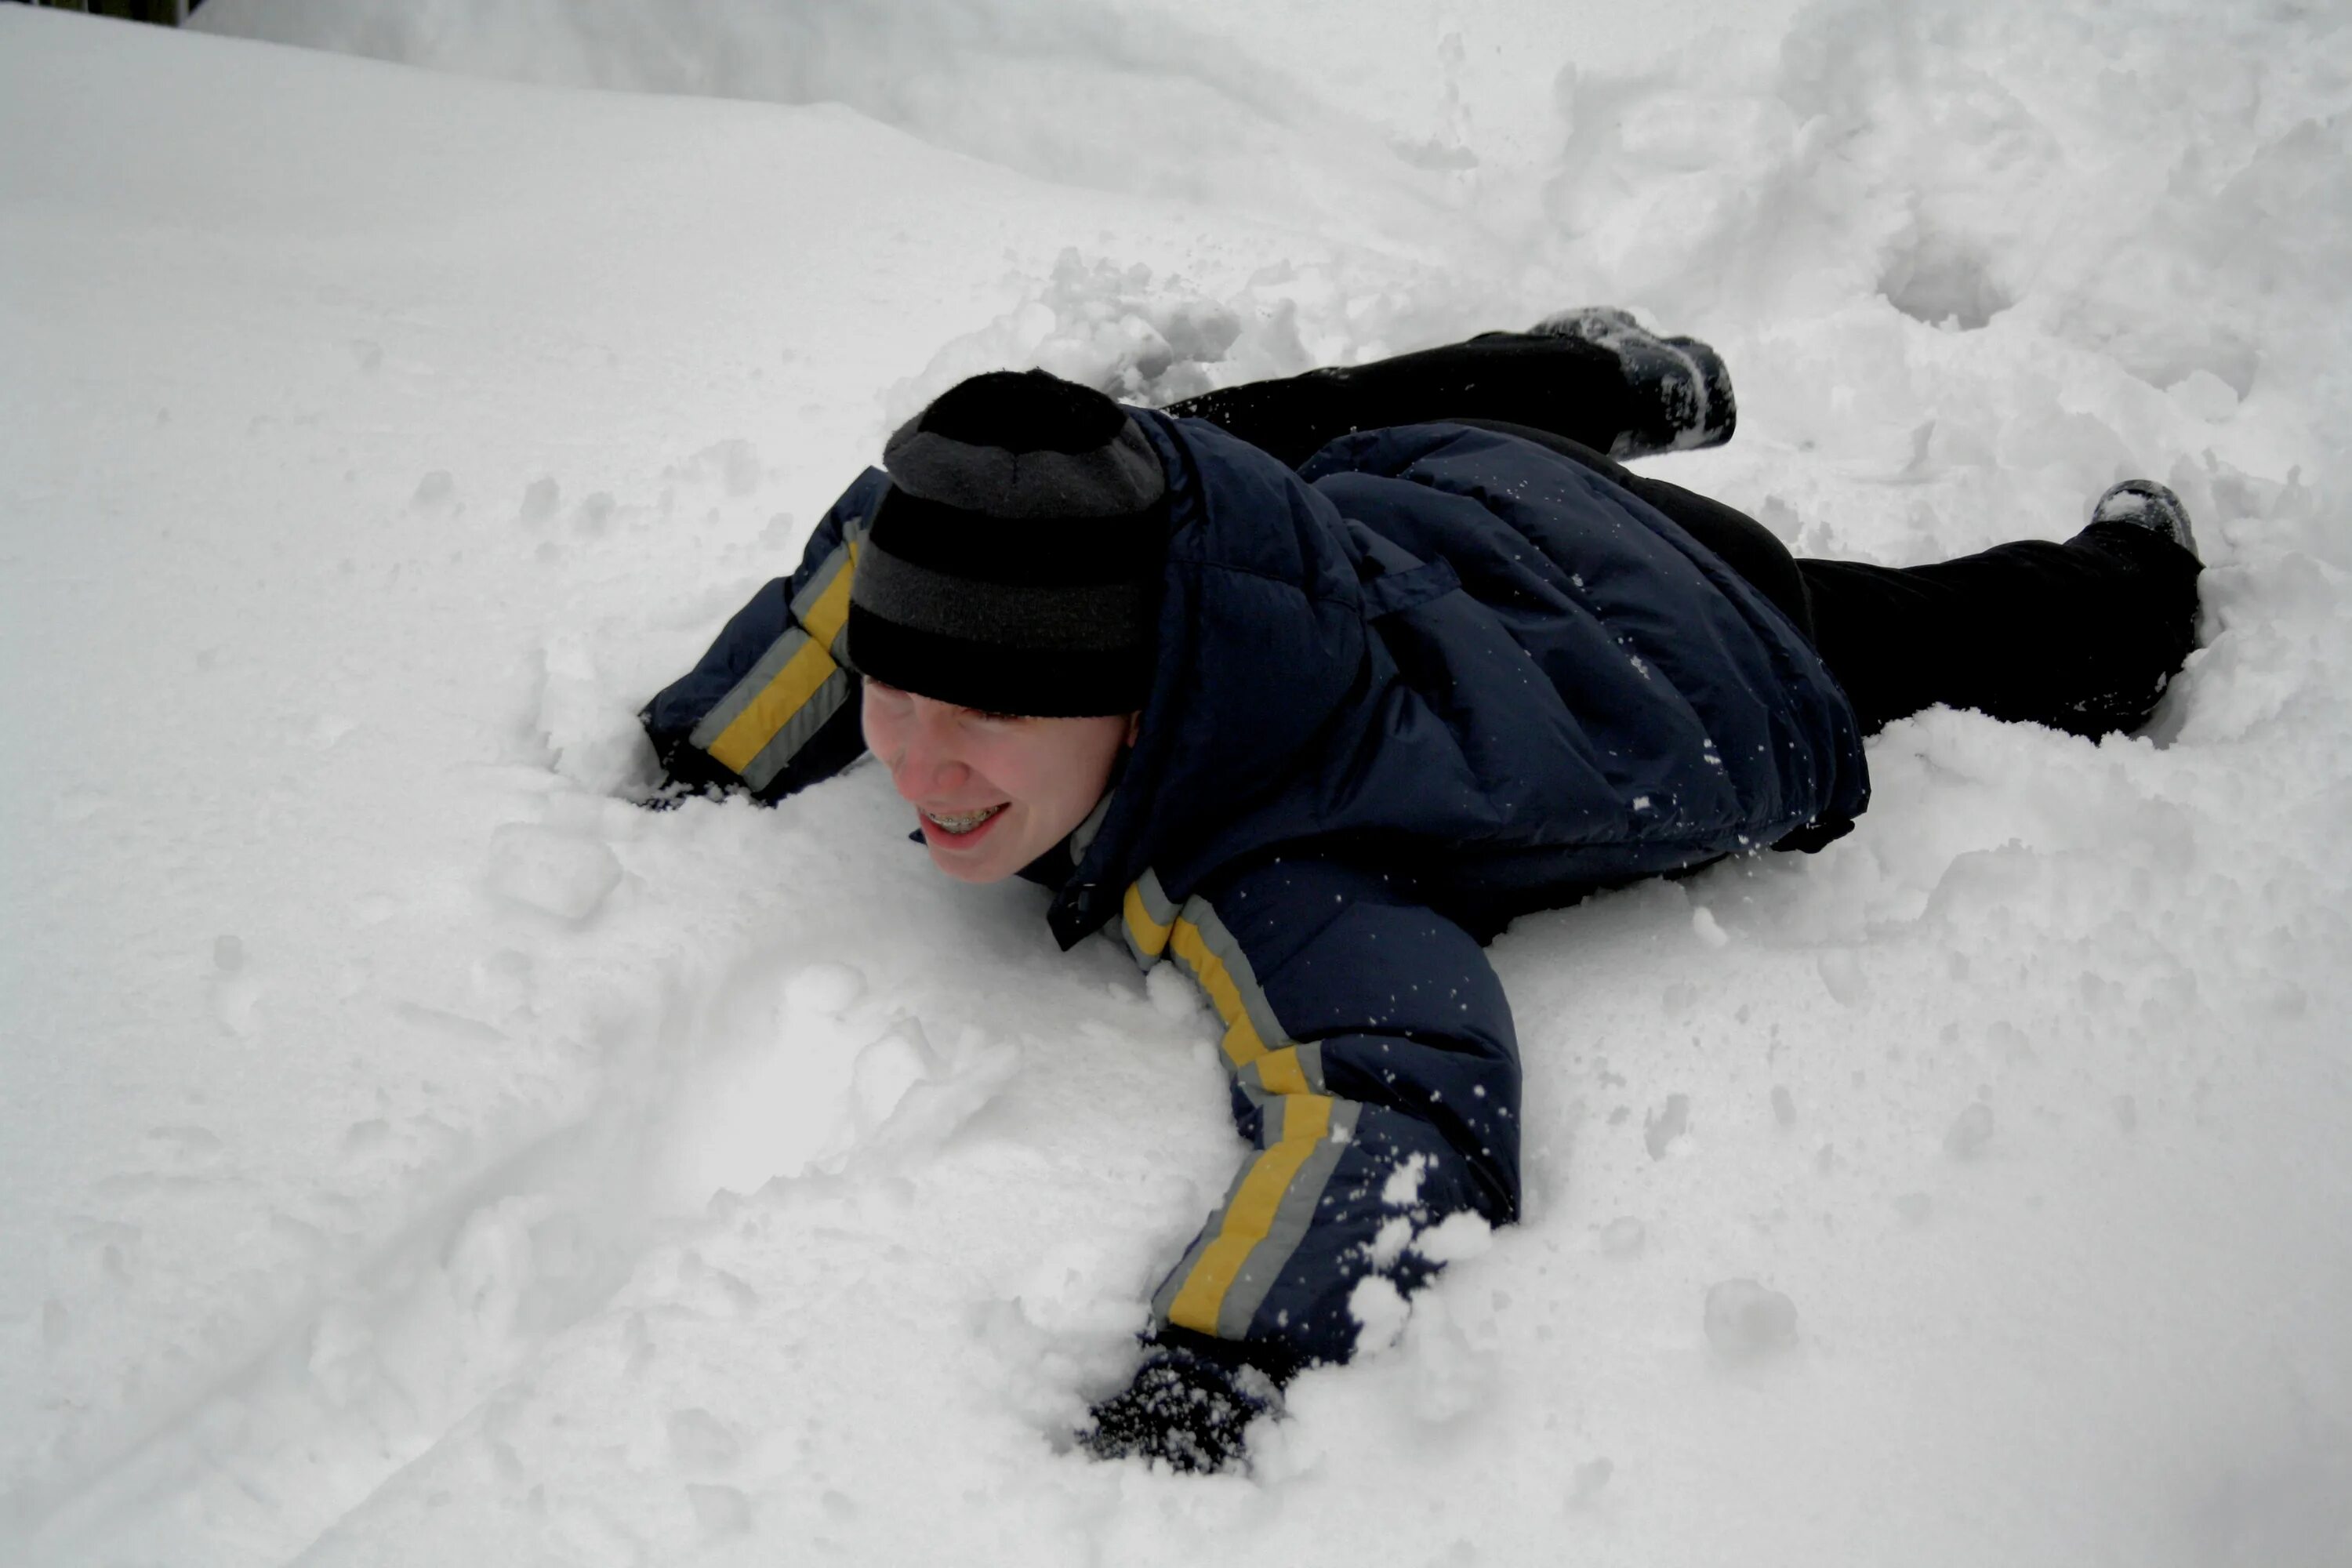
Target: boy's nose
927	767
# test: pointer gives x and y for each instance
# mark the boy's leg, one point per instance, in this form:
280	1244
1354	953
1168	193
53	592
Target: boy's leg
1626	392
2082	637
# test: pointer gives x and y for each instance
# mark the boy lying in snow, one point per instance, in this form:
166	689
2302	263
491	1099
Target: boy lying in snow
1311	686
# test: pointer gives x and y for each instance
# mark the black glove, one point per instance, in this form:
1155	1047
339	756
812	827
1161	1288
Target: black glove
1182	1407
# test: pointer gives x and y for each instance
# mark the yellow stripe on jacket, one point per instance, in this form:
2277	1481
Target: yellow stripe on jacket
1305	1123
794	684
1242	1045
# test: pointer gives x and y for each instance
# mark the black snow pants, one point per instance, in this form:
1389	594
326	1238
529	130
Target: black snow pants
2082	637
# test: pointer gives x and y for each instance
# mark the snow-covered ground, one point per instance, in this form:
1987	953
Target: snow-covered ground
412	1153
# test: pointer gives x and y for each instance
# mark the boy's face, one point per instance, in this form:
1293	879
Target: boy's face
991	792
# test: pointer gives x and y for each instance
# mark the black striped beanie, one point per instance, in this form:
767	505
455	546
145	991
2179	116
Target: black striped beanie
1013	565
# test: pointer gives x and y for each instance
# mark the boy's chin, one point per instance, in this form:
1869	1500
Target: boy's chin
978	872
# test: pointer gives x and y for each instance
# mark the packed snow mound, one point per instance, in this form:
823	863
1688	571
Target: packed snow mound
414	1152
1154	98
1223	101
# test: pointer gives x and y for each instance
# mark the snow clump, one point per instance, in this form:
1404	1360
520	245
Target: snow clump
1747	1322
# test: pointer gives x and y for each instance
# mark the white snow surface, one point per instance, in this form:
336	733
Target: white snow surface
412	1152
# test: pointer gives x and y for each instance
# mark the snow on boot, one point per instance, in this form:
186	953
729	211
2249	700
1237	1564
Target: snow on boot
1589	322
1683	376
2143	503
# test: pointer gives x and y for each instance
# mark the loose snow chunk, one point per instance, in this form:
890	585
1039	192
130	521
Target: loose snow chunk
908	1098
539	499
2204	395
1456	1237
1402	1189
721	1511
827	990
733	464
700	1441
565	875
1105	325
1380	1312
1746	1321
886	1069
1970	1132
1173	996
1842	976
1390	1241
1623	1238
594	741
1452	1375
1663	1126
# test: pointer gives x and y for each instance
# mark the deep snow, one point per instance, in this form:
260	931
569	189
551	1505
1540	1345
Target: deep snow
389	1112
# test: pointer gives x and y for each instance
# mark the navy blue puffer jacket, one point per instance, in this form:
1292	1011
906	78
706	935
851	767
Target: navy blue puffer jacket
1439	677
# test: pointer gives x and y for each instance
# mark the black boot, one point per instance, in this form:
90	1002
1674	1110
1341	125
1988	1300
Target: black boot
1681	378
2143	503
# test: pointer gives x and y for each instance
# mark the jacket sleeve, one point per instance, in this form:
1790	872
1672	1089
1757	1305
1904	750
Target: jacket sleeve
1374	1072
769	709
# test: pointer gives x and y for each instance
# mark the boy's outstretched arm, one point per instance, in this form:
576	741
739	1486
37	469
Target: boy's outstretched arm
770	710
1375	1069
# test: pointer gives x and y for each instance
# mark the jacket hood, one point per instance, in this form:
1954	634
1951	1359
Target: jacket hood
1258	572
